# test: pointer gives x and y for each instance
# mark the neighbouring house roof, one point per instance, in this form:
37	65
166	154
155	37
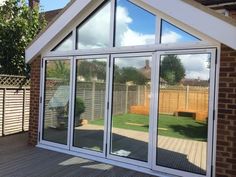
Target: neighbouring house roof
195	15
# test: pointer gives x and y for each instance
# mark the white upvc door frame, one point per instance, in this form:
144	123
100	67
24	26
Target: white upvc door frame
77	149
109	143
42	98
211	108
151	164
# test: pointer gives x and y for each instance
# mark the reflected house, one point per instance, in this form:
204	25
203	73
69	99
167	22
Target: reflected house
132	118
146	71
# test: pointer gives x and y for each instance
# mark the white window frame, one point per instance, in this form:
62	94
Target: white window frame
211	108
109	143
42	107
74	148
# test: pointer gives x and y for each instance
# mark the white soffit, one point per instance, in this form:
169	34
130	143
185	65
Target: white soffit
207	24
35	48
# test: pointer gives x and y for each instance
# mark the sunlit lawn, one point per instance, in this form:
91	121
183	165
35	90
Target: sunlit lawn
178	127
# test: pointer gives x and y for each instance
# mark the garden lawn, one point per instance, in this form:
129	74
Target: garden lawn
177	127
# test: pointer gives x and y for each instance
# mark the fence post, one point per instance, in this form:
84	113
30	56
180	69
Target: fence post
3	111
126	98
138	97
187	97
93	99
23	111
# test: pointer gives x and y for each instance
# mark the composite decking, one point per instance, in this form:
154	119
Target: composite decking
17	159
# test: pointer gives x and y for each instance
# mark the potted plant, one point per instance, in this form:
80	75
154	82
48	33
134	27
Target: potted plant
79	109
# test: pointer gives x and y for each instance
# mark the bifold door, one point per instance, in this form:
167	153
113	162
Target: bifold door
90	100
130	111
56	106
184	118
153	110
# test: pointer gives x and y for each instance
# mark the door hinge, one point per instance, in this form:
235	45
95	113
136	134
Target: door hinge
38	136
107	105
40	100
41	63
214	114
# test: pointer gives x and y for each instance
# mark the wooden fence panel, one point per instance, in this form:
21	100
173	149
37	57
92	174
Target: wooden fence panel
1	111
14	110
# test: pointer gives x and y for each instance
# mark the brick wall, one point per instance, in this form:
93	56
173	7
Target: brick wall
226	130
34	101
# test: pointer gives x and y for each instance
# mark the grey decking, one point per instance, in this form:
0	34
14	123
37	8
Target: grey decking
19	160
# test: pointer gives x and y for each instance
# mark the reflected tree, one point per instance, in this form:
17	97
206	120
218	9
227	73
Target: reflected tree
172	70
59	69
130	74
92	69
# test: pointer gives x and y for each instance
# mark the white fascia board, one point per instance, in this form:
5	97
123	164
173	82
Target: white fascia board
55	28
194	17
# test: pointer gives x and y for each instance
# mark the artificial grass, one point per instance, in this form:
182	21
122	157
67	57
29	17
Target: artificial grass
177	127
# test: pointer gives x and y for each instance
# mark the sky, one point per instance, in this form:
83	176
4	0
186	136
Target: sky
47	5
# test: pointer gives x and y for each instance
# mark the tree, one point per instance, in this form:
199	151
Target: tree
19	24
172	70
131	74
92	69
59	69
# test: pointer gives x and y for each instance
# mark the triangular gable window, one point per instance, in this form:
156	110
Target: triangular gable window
95	31
134	25
173	34
65	45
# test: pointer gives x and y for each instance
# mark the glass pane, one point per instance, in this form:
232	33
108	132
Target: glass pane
130	107
65	45
56	101
173	34
134	25
90	104
183	112
95	31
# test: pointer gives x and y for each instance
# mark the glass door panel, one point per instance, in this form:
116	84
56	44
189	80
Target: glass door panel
130	107
183	112
56	101
90	101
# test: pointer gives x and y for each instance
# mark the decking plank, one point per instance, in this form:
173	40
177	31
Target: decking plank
20	160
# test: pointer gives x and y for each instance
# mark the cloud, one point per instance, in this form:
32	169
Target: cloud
170	37
67	45
95	32
196	66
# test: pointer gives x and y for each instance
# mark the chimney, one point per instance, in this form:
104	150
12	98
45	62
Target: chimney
34	3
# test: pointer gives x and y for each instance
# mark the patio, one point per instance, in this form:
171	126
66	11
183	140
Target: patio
20	160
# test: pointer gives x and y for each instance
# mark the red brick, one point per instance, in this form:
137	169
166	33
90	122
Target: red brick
34	101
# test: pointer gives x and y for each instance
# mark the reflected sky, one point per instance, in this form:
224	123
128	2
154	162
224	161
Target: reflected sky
65	45
196	65
95	32
135	62
134	25
172	34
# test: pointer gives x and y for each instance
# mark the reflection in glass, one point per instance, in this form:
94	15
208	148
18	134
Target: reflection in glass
90	104
130	107
95	31
134	25
65	45
173	34
56	101
183	112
